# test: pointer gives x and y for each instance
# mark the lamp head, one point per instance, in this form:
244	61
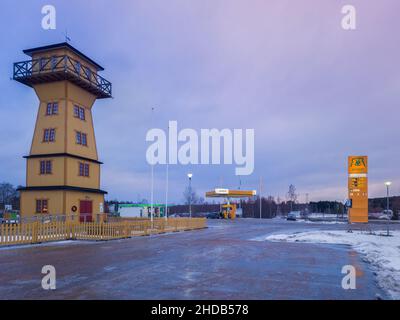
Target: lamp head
388	183
190	175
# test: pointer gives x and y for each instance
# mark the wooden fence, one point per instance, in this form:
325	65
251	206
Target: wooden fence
37	232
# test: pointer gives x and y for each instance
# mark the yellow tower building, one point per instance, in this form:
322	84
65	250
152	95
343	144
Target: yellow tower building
63	170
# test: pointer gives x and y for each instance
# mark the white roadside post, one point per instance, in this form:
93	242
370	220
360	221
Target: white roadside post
152	196
387	184
190	175
260	197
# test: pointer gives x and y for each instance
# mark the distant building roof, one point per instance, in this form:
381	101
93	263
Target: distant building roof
61	45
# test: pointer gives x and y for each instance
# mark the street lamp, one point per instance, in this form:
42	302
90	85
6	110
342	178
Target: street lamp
166	188
387	184
190	175
152	179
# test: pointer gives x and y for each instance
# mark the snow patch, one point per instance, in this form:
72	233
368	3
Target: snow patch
383	253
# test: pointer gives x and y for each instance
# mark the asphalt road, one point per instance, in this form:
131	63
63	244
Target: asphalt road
220	262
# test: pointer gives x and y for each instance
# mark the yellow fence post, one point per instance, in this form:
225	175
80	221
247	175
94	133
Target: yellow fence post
35	227
126	231
35	232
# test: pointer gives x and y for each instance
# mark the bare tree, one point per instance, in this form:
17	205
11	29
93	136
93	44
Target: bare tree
7	193
271	202
292	196
278	206
190	196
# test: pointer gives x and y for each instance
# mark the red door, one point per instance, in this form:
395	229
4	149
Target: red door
85	210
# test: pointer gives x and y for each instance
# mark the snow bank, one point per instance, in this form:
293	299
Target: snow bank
382	252
325	222
325	215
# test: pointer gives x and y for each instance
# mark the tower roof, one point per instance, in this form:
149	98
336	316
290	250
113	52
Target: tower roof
60	67
62	45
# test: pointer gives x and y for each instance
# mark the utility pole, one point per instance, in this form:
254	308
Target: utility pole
387	184
166	184
270	201
240	200
152	195
190	175
278	206
152	179
260	197
307	206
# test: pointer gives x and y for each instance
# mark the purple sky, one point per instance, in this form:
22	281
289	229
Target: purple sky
313	92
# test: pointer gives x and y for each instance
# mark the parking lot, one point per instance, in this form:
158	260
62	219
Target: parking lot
220	262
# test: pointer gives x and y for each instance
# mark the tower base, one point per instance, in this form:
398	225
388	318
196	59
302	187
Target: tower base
71	204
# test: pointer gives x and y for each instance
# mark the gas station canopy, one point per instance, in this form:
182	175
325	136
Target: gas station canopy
226	193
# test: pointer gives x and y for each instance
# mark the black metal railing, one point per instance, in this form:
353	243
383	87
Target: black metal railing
47	69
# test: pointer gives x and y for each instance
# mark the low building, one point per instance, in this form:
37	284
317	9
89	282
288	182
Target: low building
138	210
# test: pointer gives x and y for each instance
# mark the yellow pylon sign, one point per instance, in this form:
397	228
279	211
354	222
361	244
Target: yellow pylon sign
358	188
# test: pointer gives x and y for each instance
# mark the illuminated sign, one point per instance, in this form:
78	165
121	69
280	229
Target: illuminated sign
358	188
358	164
221	191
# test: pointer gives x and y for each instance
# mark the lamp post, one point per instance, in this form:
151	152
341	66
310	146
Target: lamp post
387	184
260	197
152	180
152	195
166	186
190	175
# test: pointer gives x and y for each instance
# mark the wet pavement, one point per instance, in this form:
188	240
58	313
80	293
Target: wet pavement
220	262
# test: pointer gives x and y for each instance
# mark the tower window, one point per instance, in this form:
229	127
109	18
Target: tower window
78	137
45	167
52	109
81	138
84	139
52	135
79	112
83	169
76	111
42	206
49	135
